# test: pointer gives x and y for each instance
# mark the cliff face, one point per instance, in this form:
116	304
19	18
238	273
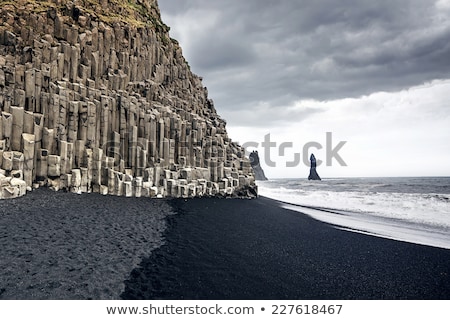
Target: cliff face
95	96
256	165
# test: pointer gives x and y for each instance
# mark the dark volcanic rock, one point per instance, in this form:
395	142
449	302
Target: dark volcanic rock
313	175
254	161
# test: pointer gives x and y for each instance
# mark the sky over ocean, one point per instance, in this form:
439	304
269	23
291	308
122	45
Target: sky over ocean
373	74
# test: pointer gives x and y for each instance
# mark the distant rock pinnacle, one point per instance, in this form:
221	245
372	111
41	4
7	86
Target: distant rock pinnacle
259	172
313	175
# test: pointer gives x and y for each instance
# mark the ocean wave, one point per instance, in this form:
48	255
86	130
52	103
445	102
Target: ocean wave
430	209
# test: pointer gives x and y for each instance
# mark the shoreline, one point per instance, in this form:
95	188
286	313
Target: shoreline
57	245
254	249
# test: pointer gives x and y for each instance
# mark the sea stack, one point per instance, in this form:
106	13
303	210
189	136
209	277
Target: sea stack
96	97
259	172
313	175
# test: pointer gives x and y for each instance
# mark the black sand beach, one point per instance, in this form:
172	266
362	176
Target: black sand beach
253	249
56	245
68	246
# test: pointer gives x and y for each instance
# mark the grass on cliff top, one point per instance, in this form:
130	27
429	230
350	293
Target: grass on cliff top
138	13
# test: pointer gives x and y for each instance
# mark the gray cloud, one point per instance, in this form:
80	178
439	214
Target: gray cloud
276	52
261	115
221	54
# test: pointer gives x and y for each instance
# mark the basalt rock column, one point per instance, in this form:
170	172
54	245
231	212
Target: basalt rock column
96	97
313	175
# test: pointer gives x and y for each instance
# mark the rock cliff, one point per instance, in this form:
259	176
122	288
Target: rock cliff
313	175
96	97
256	165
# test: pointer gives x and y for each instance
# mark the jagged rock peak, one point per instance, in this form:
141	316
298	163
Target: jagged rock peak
257	169
95	96
313	175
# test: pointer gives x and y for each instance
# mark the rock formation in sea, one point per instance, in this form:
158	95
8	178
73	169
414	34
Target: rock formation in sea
254	161
96	97
313	175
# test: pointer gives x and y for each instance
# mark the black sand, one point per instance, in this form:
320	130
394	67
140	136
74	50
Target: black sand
57	245
68	246
241	249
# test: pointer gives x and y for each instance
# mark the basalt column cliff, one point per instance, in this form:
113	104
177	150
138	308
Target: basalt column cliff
95	96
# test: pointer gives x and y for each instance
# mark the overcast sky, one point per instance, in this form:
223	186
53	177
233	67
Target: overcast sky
375	74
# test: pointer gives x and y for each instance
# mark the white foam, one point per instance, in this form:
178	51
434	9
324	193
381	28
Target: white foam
384	228
418	208
412	217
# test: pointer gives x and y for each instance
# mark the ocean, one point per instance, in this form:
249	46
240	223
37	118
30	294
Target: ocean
415	209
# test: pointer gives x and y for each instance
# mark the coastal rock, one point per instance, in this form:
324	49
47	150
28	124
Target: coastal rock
99	98
259	172
313	175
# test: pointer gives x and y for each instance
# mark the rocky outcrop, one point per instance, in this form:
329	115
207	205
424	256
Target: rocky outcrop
254	161
313	175
96	97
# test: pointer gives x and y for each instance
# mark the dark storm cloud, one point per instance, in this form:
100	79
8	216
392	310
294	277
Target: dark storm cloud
221	54
278	52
